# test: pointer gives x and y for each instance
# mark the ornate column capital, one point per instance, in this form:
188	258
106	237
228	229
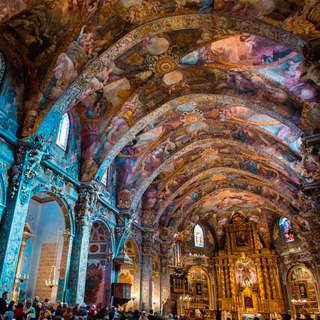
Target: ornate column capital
147	243
165	248
27	162
125	198
87	201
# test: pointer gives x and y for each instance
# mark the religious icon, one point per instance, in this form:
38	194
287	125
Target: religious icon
248	303
198	289
242	239
303	291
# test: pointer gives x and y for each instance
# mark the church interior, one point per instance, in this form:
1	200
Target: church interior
162	154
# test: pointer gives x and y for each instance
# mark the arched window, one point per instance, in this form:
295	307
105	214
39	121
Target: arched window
63	133
198	236
286	229
104	179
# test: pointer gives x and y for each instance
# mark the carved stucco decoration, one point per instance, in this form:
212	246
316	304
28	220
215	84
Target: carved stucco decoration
305	23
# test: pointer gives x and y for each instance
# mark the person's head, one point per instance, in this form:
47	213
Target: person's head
20	305
5	295
28	303
151	311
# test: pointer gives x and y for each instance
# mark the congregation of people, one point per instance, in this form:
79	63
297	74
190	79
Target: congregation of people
36	309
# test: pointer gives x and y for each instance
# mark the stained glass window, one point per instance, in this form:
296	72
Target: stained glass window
63	133
286	229
198	236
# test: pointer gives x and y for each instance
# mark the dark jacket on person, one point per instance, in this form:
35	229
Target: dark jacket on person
3	306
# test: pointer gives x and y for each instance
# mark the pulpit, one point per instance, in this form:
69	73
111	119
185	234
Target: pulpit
121	293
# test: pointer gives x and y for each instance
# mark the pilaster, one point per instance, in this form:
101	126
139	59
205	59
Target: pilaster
165	303
28	158
146	272
88	195
62	294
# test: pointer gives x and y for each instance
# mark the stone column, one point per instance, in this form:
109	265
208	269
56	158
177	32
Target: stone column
62	293
146	274
165	303
28	158
88	195
79	260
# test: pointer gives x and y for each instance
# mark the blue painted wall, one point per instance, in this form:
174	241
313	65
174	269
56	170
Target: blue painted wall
44	220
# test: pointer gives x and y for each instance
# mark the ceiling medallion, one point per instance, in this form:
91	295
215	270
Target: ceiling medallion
192	117
164	63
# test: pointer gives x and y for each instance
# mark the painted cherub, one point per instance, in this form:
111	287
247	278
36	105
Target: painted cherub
86	41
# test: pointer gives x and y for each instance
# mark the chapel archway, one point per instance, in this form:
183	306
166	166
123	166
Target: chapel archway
303	291
99	266
45	249
199	292
130	274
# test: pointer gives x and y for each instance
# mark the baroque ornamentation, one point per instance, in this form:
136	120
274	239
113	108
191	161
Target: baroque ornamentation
28	158
87	201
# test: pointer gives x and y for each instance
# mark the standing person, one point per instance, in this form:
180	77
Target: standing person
143	316
19	312
116	314
9	313
136	315
37	306
92	311
3	303
45	313
67	315
30	311
111	313
151	315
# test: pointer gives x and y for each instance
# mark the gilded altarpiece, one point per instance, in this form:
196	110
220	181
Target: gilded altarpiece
247	272
303	290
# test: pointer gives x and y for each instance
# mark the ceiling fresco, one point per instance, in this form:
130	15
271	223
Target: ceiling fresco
275	61
202	106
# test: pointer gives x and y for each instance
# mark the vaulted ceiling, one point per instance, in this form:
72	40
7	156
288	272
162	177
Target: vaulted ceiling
202	106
